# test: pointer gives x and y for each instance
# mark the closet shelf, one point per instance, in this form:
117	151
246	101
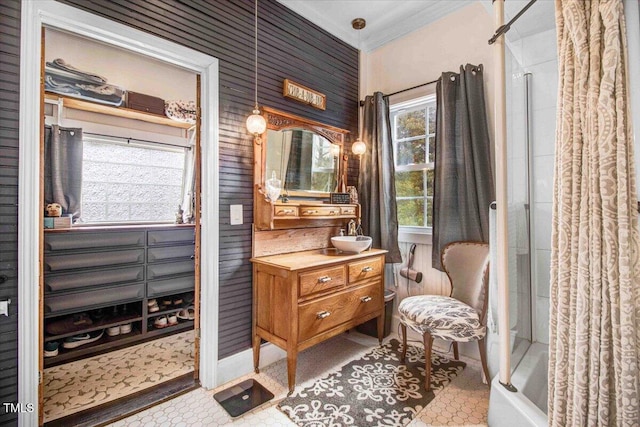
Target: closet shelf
127	113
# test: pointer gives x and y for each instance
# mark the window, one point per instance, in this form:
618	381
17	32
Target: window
414	126
127	182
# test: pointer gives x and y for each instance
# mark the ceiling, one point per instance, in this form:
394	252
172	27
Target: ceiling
388	20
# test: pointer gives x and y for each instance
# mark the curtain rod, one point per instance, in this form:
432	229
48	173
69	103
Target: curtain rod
135	139
506	27
411	88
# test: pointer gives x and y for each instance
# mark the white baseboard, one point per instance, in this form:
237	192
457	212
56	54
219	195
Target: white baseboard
240	364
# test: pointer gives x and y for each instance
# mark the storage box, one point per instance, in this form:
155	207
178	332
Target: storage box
146	103
62	221
48	222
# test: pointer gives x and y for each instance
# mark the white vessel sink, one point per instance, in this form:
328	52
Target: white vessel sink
355	244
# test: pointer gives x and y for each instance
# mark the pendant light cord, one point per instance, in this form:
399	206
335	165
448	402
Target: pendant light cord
255	44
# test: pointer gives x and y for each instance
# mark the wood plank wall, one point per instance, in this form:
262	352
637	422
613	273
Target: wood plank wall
9	112
289	47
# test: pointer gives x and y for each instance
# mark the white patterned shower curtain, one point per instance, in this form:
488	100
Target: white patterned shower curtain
594	349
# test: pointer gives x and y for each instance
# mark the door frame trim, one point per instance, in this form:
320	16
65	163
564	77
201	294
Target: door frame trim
35	15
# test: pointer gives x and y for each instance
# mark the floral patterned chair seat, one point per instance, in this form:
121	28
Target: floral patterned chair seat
443	317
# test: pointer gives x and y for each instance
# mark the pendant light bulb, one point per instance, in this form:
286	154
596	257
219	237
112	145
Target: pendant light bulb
359	147
256	123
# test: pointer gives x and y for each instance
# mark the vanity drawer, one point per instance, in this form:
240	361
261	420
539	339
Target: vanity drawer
321	280
155	271
325	313
93	259
319	211
92	278
82	240
360	270
100	297
285	211
179	234
347	210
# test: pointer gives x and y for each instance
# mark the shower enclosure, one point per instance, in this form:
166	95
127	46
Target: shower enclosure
531	87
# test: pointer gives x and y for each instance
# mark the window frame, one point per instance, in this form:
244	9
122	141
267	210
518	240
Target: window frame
176	147
418	234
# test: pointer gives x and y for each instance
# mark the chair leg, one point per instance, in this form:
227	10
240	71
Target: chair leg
483	360
428	344
403	328
456	355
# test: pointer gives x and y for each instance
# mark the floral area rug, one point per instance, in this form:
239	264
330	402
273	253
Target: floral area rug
375	390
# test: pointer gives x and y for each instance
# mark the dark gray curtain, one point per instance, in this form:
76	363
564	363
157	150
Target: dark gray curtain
63	168
463	186
376	185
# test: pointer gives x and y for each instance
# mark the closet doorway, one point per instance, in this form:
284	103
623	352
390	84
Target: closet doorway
120	263
144	294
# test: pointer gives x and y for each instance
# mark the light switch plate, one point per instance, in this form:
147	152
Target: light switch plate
235	216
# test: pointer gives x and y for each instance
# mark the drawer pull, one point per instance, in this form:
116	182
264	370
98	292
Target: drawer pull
334	212
310	212
367	269
365	299
323	314
324	279
285	212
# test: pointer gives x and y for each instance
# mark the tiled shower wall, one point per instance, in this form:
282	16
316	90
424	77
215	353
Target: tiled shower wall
537	54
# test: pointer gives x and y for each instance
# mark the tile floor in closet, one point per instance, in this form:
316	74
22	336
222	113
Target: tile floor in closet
464	402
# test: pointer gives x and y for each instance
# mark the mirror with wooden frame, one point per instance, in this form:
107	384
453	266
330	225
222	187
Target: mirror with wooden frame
298	163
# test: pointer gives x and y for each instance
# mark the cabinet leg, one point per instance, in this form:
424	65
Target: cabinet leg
256	353
380	328
292	361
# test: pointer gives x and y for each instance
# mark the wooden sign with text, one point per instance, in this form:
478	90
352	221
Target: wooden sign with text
304	94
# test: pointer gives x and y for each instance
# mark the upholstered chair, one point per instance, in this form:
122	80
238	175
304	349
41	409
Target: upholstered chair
459	317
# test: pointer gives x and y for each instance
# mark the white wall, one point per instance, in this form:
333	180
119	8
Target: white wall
120	67
422	56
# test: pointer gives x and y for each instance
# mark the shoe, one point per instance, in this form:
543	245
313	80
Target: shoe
125	329
177	301
113	331
51	349
153	306
97	314
186	314
188	298
167	302
68	324
160	322
172	320
78	340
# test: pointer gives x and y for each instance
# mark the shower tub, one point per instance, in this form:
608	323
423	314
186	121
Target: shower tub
526	407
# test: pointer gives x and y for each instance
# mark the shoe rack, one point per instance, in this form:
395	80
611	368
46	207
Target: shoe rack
107	278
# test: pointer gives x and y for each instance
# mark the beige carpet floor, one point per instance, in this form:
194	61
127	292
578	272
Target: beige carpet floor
90	382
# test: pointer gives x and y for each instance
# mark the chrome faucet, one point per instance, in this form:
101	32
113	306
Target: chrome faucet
351	228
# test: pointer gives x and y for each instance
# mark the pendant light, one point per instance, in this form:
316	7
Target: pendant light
358	147
256	124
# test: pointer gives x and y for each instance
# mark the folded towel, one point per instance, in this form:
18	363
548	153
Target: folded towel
65	84
60	64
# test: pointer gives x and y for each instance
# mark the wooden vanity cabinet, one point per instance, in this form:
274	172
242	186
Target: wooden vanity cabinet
303	298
